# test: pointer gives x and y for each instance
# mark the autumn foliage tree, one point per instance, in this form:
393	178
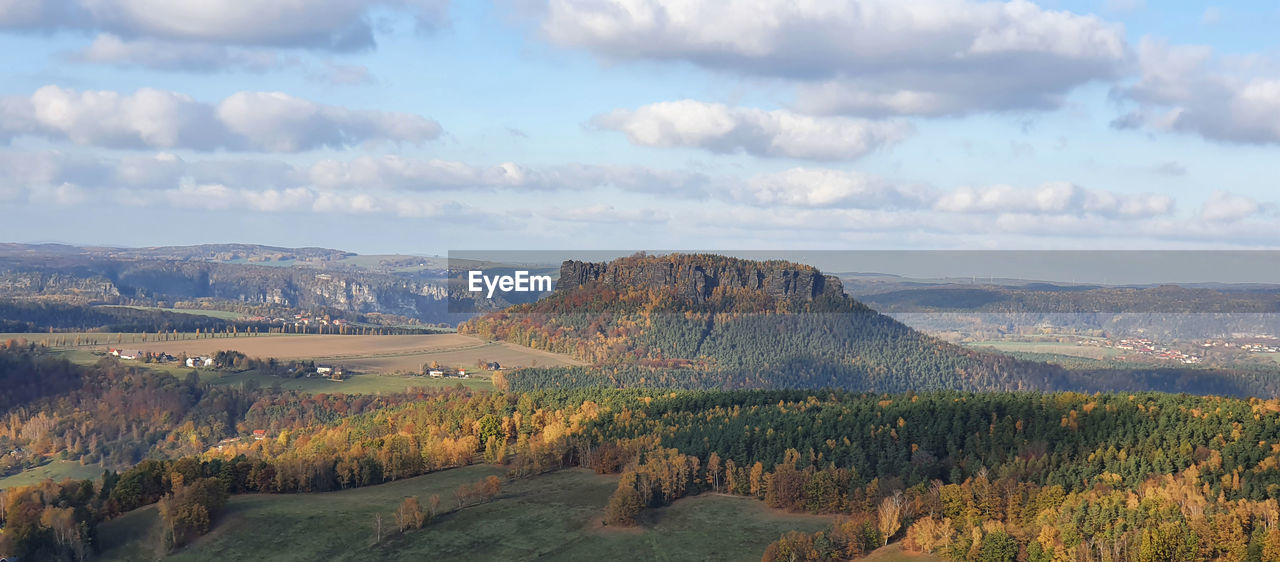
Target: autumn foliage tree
625	503
188	510
409	515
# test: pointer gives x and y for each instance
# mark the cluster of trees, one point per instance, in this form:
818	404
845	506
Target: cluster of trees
655	477
847	539
1168	517
116	415
49	521
27	374
188	509
363	449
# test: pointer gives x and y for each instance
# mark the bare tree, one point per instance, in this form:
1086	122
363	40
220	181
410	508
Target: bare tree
377	529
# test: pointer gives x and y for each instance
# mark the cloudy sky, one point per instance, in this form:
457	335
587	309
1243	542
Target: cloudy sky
421	126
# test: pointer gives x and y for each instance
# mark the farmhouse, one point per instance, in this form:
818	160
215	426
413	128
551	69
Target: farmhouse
436	373
194	362
259	434
128	355
323	369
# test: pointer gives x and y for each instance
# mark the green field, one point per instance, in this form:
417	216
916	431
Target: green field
1056	348
364	383
553	516
221	314
56	470
103	340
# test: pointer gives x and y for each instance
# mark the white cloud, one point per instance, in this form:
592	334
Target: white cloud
176	55
1187	89
338	25
279	122
1055	198
397	172
790	205
780	133
150	118
1223	207
606	214
52	168
873	57
64	195
815	187
794	188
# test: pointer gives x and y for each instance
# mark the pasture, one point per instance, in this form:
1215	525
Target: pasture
56	471
552	516
371	354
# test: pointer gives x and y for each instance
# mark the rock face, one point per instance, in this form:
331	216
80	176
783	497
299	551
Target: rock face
111	281
696	277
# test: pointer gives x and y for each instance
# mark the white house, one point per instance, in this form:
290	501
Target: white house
436	373
324	370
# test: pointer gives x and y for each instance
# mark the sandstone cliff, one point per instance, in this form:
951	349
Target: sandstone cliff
695	277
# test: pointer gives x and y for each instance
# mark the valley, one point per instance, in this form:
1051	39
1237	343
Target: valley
674	406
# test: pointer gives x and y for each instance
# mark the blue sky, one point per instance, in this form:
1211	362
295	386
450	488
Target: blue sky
421	126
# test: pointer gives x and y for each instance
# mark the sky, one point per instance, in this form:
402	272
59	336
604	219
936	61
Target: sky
425	126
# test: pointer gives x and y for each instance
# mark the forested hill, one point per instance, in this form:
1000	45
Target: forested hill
706	321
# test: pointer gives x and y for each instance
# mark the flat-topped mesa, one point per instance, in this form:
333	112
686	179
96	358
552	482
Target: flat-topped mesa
696	276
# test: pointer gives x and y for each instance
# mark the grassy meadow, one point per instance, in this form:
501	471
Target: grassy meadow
553	516
55	470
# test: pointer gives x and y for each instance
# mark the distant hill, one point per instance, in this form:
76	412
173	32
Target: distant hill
707	321
212	252
1162	311
237	277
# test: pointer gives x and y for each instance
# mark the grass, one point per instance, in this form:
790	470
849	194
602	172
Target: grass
365	383
56	470
220	314
1056	348
361	383
378	354
381	364
895	553
554	516
104	340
